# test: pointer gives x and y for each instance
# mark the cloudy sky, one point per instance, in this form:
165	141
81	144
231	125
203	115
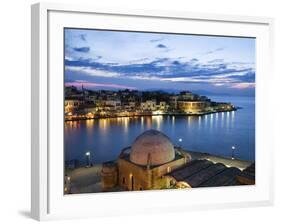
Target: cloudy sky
146	61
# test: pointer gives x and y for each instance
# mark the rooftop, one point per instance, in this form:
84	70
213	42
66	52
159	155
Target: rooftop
204	173
152	147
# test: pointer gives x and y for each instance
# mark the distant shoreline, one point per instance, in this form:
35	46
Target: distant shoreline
151	114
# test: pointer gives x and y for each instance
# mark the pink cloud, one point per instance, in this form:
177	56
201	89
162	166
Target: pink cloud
243	85
79	83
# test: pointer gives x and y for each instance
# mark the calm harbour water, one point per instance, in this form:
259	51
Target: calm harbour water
213	133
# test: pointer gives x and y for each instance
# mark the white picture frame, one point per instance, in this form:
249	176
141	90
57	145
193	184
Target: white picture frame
48	201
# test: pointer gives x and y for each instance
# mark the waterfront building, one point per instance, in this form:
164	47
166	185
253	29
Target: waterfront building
129	106
173	102
90	109
193	106
113	104
149	105
162	106
71	105
132	105
100	104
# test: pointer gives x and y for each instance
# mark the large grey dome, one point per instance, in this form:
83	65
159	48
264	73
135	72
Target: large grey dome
152	147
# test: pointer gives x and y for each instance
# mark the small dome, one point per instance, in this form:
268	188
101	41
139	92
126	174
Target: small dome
152	147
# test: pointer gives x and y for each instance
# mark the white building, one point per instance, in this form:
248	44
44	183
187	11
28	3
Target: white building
162	106
129	106
149	105
113	104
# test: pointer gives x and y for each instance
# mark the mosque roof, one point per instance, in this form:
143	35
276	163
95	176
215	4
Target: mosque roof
152	147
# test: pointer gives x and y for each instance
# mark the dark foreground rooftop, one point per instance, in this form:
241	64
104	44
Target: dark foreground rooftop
204	173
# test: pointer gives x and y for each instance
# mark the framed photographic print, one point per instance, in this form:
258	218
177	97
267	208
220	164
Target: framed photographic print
161	111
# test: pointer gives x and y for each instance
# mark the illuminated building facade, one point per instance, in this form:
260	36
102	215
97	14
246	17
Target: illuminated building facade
70	105
193	106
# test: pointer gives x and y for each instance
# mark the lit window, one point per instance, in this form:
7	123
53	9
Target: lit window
168	169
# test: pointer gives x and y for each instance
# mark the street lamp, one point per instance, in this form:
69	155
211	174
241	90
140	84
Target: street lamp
88	156
180	141
232	152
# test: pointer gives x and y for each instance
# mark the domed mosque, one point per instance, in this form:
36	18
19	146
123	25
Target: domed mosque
152	148
143	165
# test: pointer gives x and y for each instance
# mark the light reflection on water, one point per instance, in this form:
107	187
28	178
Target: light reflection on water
213	133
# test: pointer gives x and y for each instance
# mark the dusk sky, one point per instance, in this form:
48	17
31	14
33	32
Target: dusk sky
149	61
